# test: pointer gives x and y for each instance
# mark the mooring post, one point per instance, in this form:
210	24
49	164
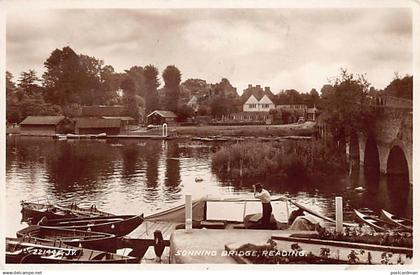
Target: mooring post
339	214
188	213
164	130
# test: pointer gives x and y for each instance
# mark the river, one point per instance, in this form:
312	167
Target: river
135	176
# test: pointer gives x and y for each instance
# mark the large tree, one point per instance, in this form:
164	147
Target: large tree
110	84
28	83
130	99
346	110
172	77
151	74
136	74
71	78
400	87
61	77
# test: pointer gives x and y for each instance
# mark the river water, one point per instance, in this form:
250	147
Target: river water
143	176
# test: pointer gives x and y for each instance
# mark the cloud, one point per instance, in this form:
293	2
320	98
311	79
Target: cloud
281	48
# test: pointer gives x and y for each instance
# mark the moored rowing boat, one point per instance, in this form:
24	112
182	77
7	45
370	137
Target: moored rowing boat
18	251
35	211
117	225
373	221
402	222
77	238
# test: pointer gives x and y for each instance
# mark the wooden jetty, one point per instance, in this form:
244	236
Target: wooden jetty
168	221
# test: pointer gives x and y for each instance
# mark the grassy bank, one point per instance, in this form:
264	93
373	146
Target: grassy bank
288	158
306	129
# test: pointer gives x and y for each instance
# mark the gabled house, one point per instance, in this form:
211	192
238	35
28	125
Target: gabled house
257	99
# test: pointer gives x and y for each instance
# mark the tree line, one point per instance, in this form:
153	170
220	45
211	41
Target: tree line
73	80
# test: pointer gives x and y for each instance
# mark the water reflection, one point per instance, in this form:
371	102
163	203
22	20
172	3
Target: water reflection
128	176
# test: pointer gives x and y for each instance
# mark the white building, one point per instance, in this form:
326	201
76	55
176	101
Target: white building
252	104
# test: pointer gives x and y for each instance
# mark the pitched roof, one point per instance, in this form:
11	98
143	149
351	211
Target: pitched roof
167	114
97	123
100	110
258	93
42	120
251	99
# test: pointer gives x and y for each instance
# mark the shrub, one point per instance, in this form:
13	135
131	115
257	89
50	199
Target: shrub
292	158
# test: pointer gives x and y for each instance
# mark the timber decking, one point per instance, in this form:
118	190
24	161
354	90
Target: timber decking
145	232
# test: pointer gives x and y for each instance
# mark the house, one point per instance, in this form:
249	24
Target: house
159	117
257	99
312	113
41	124
86	126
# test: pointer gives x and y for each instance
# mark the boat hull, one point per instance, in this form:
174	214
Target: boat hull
372	221
18	251
404	223
34	212
116	225
76	238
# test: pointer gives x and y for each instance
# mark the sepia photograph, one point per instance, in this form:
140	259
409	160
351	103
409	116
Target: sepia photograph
259	136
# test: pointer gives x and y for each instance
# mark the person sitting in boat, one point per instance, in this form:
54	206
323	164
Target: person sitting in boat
294	215
263	195
305	223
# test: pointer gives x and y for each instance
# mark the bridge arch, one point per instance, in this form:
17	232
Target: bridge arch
397	163
371	161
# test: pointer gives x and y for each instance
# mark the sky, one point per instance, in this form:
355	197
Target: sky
282	48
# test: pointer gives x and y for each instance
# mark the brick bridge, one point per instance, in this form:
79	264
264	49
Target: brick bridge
388	146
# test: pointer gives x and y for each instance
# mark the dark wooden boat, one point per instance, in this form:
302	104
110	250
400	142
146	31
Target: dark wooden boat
117	225
373	221
35	211
77	238
402	222
18	251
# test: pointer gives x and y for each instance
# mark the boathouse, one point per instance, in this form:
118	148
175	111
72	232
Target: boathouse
159	117
45	125
87	126
109	112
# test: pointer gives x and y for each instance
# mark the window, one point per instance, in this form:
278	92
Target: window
251	106
265	106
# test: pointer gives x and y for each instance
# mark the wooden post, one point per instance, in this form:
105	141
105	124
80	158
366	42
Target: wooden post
164	130
188	213
339	214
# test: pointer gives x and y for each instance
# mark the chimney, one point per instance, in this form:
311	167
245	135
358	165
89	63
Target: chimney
258	86
267	89
249	86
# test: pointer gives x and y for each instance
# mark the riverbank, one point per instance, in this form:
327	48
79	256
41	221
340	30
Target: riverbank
208	131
